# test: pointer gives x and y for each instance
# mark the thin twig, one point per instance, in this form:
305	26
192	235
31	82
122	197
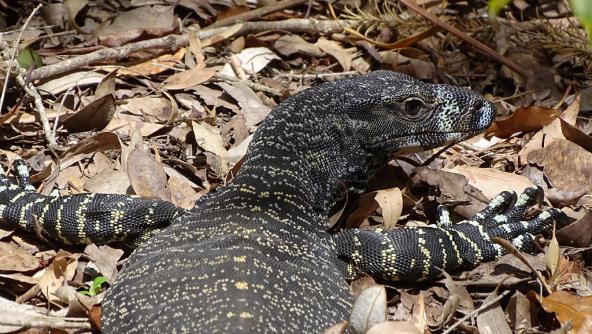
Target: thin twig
509	247
13	56
38	100
456	32
476	311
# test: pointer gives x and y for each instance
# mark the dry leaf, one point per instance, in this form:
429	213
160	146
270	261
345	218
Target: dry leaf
105	258
210	140
578	233
392	327
572	309
62	268
99	142
519	312
188	78
491	181
291	44
524	119
64	82
72	9
150	67
552	255
577	179
492	320
391	203
108	182
147	175
153	109
336	51
225	35
253	60
369	309
250	105
95	116
16	259
130	25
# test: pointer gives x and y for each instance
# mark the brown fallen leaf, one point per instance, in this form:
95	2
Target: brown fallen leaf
390	200
454	188
99	142
147	175
390	327
209	139
76	79
570	308
250	104
130	25
578	233
188	78
336	51
16	259
291	44
491	181
150	67
519	312
524	119
555	157
108	182
62	269
153	109
94	116
105	258
252	60
391	203
492	320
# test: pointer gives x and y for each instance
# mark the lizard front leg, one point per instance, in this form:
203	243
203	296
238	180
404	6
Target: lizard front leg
419	253
82	218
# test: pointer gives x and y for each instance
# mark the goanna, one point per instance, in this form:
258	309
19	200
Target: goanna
254	256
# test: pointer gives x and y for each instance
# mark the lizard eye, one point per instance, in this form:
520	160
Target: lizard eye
413	107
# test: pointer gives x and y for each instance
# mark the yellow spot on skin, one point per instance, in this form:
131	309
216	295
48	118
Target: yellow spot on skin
229	315
246	315
241	285
240	258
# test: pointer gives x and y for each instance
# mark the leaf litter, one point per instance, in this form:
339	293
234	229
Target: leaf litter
175	117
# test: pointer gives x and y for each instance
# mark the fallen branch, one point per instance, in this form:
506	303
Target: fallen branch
175	42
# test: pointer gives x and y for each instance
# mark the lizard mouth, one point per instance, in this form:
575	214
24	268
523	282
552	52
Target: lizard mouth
458	136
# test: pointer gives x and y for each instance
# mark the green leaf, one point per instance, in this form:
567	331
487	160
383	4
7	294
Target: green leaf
27	57
95	289
494	7
583	10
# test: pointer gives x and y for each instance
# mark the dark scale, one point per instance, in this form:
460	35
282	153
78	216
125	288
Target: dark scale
254	256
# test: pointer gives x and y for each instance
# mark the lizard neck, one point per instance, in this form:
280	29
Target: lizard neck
304	149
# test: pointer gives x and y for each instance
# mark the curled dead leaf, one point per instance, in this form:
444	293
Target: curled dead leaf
369	309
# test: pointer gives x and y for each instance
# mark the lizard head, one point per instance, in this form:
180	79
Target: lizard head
408	115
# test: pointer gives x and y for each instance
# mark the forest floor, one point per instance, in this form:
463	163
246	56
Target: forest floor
161	100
